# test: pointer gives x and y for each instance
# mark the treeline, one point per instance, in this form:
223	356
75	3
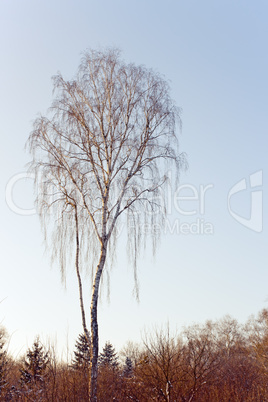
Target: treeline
218	361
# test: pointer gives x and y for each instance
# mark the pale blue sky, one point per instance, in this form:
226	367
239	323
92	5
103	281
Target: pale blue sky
215	56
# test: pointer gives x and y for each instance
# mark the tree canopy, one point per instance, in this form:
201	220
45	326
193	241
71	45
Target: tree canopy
104	149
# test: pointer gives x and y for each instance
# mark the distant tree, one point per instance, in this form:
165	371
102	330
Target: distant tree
108	358
128	368
81	360
131	350
201	358
110	377
104	150
257	329
34	370
81	363
159	368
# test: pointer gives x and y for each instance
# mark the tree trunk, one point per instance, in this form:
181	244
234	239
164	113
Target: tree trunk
79	279
94	328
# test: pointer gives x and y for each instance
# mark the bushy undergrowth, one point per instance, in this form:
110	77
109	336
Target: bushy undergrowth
217	361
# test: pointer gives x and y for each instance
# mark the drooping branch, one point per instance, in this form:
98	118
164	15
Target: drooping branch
102	152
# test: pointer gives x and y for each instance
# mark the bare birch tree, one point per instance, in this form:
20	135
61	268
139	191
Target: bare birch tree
104	149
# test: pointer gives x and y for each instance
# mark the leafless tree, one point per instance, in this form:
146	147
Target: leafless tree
201	357
104	148
161	365
257	331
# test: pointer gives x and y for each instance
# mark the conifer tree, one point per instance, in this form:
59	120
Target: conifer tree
128	368
81	358
34	370
108	357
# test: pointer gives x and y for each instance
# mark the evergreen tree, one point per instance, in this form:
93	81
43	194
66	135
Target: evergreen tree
128	368
81	364
81	358
34	368
108	357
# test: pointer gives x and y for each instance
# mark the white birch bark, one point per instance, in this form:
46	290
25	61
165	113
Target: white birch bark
80	286
106	147
94	327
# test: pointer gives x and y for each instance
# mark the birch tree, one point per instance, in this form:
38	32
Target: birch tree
101	157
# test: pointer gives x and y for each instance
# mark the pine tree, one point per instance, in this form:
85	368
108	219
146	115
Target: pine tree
128	368
34	370
81	364
108	357
81	358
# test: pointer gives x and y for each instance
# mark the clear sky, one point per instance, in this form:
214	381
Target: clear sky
212	260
